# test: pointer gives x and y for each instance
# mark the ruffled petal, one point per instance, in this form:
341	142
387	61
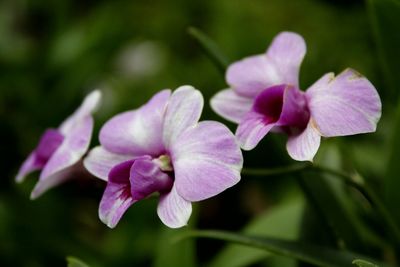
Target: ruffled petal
287	51
115	201
230	105
249	76
137	132
173	210
29	165
100	161
74	146
207	160
345	105
184	110
304	146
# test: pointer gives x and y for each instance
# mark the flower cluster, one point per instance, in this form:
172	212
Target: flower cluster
265	96
60	150
161	148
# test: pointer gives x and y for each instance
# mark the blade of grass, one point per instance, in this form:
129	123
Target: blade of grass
318	255
210	48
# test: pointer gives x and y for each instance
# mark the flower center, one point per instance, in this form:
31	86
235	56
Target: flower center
50	141
270	102
285	106
143	176
164	163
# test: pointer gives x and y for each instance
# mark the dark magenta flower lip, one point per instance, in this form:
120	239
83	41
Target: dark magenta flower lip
264	95
162	147
60	149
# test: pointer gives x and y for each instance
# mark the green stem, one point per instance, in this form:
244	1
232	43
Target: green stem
210	48
276	171
356	181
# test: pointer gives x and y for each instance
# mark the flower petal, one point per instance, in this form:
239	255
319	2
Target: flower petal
230	105
345	105
137	132
304	146
287	51
280	65
173	210
252	129
295	113
115	201
266	111
88	106
100	161
146	178
184	110
207	160
48	144
29	165
249	76
55	179
74	146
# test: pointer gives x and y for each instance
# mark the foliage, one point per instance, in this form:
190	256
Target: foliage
53	52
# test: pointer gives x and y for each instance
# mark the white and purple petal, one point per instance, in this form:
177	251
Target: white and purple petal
249	76
29	165
230	105
173	210
287	51
100	161
55	179
207	160
114	203
295	113
252	129
304	145
48	144
266	110
280	65
184	110
72	149
137	132
117	195
344	105
88	106
146	178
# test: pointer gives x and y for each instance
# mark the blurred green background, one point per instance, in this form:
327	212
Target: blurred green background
54	52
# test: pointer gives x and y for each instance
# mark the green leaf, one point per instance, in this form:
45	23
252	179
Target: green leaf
313	254
75	262
364	263
332	203
173	254
385	21
333	206
391	181
280	221
210	48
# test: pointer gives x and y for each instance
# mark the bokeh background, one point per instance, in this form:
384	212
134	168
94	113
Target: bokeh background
52	53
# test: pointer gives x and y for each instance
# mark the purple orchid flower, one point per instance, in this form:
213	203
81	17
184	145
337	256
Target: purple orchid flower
265	96
60	150
161	147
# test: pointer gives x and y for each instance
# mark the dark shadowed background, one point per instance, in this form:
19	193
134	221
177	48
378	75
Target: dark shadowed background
52	53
